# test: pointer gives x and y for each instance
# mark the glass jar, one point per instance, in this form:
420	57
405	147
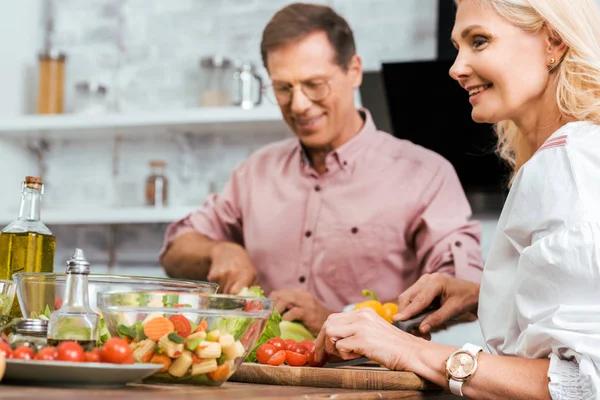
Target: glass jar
51	82
216	76
157	185
90	98
31	333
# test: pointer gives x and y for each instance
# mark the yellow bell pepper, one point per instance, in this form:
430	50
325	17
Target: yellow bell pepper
385	311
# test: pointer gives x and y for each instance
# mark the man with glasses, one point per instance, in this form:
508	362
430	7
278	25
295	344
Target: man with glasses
339	208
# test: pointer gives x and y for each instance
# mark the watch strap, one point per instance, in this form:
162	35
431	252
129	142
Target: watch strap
455	385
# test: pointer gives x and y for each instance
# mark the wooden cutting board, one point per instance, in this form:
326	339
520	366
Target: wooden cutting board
357	377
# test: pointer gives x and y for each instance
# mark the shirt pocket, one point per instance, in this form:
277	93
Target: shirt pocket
353	255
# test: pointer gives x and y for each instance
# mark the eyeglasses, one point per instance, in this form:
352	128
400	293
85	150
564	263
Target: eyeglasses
282	94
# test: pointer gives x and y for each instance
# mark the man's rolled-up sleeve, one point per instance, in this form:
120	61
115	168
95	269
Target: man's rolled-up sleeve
220	218
445	240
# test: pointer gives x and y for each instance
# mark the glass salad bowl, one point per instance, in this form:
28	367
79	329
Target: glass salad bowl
7	296
41	293
199	338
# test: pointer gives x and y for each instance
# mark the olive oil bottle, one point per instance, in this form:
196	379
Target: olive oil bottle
26	244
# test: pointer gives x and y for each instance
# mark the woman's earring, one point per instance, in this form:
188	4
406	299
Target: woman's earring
552	60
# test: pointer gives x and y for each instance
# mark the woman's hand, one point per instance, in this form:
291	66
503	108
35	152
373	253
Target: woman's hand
458	298
362	332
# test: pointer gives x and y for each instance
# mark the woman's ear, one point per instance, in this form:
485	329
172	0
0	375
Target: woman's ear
555	46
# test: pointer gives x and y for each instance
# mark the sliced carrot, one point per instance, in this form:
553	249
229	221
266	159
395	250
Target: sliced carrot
182	325
161	359
158	327
148	356
196	359
220	374
202	326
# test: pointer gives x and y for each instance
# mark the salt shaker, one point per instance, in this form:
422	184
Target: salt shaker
75	320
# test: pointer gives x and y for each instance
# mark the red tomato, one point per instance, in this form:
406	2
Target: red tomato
278	343
47	354
116	351
58	303
277	358
94	355
70	351
182	325
289	342
253	305
312	362
295	359
297	348
308	344
129	360
264	353
23	353
5	349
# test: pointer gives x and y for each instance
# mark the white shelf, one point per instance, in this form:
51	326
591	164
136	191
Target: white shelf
97	216
210	120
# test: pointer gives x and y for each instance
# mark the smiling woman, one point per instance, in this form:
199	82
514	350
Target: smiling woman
533	68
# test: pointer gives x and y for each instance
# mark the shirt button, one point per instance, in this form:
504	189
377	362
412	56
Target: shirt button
458	243
345	162
302	279
318	188
354	230
307	233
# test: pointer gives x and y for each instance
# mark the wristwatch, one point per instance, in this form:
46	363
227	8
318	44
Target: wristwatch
460	366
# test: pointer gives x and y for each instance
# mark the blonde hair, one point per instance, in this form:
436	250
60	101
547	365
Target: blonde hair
577	74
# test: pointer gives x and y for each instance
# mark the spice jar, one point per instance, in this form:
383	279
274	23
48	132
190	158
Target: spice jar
31	333
51	83
90	98
157	185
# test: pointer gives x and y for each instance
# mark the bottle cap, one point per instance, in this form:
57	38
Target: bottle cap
78	264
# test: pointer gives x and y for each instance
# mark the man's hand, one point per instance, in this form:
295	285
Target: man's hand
458	298
299	305
231	268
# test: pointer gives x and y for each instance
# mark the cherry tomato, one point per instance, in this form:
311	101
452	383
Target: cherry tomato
308	344
253	305
289	342
47	354
297	348
129	360
58	303
117	351
265	352
312	362
70	351
278	343
295	359
94	355
5	349
23	353
277	358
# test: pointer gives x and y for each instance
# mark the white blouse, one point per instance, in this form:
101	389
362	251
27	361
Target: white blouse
540	292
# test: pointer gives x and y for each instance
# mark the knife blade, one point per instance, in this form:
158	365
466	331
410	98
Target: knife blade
406	326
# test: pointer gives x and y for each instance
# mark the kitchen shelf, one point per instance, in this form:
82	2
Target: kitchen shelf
264	119
107	216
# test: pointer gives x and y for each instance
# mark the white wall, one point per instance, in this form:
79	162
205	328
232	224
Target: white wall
147	52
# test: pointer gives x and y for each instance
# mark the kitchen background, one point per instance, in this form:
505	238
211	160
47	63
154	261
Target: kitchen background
95	158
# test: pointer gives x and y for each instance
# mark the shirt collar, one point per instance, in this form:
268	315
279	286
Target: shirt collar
347	153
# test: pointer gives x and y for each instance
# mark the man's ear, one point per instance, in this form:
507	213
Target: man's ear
355	70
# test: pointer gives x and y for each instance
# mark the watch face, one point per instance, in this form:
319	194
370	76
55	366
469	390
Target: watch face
461	365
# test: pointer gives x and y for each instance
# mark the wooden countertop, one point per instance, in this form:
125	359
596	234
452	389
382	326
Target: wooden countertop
229	391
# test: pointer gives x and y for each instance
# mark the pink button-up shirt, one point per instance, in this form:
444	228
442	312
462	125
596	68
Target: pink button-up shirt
385	212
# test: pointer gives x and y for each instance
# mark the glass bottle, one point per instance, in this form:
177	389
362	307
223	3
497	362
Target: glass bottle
26	244
75	320
157	185
31	333
51	82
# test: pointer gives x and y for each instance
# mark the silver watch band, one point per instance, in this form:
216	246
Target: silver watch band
456	386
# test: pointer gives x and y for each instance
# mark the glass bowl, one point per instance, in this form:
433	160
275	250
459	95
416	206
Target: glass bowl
7	296
41	293
200	340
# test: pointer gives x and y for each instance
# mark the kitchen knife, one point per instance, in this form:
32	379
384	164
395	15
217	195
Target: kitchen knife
407	326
